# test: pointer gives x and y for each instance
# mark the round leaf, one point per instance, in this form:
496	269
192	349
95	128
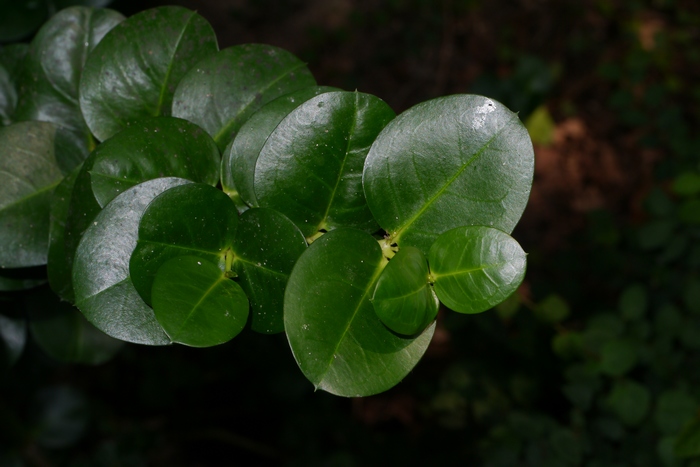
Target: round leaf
225	89
133	72
195	220
197	304
63	332
403	299
52	70
266	247
475	268
452	161
103	288
28	175
153	148
629	401
310	168
11	58
238	163
336	337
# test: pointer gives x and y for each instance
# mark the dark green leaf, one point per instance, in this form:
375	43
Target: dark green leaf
28	175
475	268
552	309
238	162
689	212
674	409
656	233
403	298
630	401
51	75
691	295
310	168
633	302
103	288
336	337
151	148
63	332
133	71
687	184
58	267
618	357
196	303
194	220
11	58
452	161
225	89
266	247
688	441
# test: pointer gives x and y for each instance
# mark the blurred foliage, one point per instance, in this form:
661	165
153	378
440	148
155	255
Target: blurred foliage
594	363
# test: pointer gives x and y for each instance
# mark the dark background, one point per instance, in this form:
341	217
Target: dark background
612	88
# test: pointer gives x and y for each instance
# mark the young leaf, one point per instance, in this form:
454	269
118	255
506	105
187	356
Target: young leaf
28	175
196	303
222	91
133	72
266	247
310	168
193	220
238	162
63	332
103	288
403	299
336	337
475	268
11	58
452	161
152	148
51	75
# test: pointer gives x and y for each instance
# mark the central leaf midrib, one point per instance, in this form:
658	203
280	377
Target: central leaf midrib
194	308
168	72
449	182
226	129
468	271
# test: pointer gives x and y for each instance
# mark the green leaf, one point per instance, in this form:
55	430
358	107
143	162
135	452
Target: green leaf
540	126
58	267
656	233
103	288
63	332
687	184
310	168
153	148
630	401
28	174
336	337
689	212
134	70
225	89
553	309
266	247
196	303
475	268
448	162
618	357
633	302
238	162
52	71
674	409
11	58
193	220
403	298
688	441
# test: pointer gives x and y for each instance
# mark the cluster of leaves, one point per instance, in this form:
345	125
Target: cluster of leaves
337	222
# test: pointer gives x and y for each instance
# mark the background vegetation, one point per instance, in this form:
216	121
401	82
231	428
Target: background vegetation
595	361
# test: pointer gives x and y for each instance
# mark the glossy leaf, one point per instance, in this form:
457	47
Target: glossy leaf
448	162
103	288
58	267
238	162
222	91
194	220
51	75
28	175
152	148
336	337
63	332
475	268
11	58
133	72
197	304
310	168
403	298
266	247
